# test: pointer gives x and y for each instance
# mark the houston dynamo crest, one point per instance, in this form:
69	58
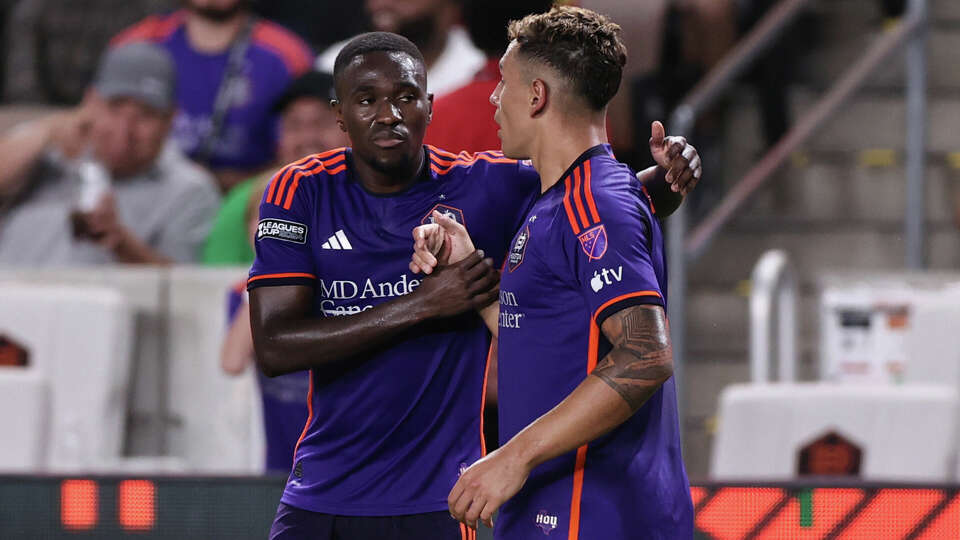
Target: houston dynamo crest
451	212
519	249
594	242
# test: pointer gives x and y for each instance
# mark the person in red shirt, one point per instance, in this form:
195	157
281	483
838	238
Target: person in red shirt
463	119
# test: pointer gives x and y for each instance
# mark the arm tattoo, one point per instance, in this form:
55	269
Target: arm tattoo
641	359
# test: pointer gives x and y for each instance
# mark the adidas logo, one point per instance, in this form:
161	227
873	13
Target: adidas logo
337	241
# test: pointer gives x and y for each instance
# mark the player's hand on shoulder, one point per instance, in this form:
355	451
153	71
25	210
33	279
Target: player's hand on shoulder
470	284
439	243
680	159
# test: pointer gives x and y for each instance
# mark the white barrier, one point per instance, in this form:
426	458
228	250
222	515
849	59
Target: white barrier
217	426
906	433
79	340
25	421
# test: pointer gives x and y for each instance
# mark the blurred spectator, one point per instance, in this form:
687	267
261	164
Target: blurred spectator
639	101
52	46
310	19
308	125
284	398
98	184
232	67
452	59
463	119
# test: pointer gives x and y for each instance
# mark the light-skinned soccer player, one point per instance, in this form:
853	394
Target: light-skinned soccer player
588	407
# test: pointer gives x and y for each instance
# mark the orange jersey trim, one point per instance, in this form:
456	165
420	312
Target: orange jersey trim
283	275
594	348
591	204
153	28
292	52
285	170
569	208
306	427
578	200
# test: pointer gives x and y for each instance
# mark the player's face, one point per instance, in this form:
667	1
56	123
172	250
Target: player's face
385	108
128	135
510	97
308	126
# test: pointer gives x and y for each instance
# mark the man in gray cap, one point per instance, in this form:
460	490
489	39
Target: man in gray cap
99	183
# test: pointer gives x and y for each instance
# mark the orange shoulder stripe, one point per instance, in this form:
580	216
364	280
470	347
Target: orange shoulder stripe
300	173
591	204
569	208
285	171
577	199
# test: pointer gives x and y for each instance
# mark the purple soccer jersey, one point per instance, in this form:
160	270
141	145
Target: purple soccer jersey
390	434
274	57
589	247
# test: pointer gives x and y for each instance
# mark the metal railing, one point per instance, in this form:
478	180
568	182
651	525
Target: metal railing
683	248
773	287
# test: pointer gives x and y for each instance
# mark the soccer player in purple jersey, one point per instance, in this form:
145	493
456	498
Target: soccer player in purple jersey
586	395
397	360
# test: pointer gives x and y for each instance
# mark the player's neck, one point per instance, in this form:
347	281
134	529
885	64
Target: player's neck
559	145
377	181
209	36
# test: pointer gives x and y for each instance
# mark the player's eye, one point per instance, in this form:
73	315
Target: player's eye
407	98
366	101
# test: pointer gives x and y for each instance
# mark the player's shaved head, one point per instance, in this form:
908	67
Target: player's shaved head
581	47
375	42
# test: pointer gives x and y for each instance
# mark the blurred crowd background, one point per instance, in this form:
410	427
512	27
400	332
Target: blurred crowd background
138	136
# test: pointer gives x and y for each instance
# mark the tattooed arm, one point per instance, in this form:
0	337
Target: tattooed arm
639	363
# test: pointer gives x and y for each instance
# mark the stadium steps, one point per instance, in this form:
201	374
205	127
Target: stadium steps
837	205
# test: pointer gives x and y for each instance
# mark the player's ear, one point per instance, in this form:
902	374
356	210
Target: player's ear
338	109
538	97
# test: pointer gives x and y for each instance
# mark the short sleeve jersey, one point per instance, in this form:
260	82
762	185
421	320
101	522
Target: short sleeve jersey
274	57
390	434
589	247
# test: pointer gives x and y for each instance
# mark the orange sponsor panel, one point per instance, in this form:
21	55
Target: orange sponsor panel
136	505
893	513
946	524
813	516
79	504
733	512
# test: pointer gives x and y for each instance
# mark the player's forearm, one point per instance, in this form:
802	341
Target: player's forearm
21	147
289	345
664	199
132	250
590	411
633	371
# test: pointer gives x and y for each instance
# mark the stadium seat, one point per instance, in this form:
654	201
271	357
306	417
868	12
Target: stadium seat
217	427
23	397
79	340
903	433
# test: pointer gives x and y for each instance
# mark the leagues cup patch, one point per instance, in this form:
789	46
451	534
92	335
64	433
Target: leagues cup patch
594	242
279	229
518	250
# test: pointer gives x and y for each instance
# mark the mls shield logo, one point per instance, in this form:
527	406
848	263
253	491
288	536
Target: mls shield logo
455	214
518	249
546	521
594	242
